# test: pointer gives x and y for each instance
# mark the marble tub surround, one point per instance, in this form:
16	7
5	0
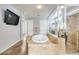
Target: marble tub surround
52	38
48	48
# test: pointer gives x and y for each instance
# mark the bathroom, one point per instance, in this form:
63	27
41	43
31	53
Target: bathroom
40	30
44	29
55	29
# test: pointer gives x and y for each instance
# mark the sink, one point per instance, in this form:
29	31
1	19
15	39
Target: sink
40	38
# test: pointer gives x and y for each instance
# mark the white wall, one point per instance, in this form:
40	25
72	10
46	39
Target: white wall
43	26
27	27
30	27
24	27
8	34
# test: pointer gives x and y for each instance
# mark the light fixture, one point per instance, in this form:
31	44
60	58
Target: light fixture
39	6
62	6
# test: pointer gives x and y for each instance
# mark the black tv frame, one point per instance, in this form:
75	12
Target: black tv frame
7	12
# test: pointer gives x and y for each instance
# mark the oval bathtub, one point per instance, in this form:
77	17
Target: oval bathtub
40	38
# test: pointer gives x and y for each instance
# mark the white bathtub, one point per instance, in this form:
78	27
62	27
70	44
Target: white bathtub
40	38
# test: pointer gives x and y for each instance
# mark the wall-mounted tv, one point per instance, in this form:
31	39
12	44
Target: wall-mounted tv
11	18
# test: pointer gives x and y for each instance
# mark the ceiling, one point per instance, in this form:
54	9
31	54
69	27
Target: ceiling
72	9
31	12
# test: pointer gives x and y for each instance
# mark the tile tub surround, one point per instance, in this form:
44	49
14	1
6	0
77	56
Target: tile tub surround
52	38
48	48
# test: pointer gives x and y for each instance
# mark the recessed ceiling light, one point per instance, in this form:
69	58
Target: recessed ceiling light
62	6
39	6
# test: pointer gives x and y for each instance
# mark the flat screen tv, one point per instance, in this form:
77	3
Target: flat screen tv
11	18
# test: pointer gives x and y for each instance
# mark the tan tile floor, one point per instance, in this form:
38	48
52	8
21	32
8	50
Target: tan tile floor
48	48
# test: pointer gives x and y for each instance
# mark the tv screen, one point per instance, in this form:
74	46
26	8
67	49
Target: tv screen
11	18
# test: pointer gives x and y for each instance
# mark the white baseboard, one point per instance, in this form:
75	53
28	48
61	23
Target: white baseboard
9	46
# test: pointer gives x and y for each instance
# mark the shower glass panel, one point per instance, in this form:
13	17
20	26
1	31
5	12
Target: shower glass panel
57	22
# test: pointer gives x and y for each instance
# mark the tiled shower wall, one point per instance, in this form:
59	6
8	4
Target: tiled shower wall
73	22
73	33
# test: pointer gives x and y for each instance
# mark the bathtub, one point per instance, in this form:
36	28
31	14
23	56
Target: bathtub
40	38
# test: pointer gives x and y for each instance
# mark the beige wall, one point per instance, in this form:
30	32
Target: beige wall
73	33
